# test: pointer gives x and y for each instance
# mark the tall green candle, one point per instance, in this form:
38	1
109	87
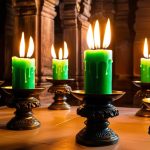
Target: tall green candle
98	71
60	66
98	63
145	64
23	69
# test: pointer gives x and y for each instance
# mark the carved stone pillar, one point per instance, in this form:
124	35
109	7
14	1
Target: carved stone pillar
36	18
74	17
124	39
142	29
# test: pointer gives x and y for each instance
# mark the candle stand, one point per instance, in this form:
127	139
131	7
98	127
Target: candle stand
61	89
97	108
144	92
24	101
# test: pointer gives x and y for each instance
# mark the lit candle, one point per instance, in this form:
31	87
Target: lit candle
145	64
23	69
60	66
98	63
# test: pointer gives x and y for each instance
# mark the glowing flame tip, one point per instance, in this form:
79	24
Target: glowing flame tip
31	47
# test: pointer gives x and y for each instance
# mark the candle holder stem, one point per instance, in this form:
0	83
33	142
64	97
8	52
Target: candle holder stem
61	89
59	101
97	108
96	132
24	119
24	101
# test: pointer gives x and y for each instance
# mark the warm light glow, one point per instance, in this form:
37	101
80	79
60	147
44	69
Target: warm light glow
145	53
22	46
90	39
53	52
107	36
97	35
60	53
65	50
31	47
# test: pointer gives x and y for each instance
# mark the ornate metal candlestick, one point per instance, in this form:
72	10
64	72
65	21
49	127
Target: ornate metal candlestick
97	109
144	92
61	89
24	101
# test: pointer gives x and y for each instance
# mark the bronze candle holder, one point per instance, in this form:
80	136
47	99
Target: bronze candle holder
141	94
61	89
97	108
24	100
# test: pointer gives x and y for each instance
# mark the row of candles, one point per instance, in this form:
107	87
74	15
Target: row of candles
97	63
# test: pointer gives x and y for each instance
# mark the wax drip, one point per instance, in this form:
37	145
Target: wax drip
29	72
56	69
25	73
97	69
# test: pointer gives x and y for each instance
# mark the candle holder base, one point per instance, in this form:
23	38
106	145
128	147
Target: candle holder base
24	101
97	109
141	94
61	89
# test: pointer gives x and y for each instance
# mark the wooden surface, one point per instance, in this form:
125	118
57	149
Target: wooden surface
59	128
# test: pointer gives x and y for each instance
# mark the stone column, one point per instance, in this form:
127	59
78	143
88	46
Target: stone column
74	17
142	29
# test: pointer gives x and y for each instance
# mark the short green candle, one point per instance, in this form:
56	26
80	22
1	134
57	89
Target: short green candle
23	73
145	64
60	69
145	70
98	71
60	66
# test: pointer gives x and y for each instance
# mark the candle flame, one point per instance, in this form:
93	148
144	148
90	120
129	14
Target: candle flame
145	53
107	36
90	39
60	53
31	47
53	52
97	35
22	46
65	50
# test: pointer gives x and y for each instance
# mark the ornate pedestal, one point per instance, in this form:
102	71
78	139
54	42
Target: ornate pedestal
141	94
97	109
61	89
24	101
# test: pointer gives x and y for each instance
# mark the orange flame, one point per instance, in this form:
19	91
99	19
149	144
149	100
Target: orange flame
97	35
31	47
107	36
22	46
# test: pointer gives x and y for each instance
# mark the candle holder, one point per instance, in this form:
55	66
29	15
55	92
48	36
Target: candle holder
24	101
144	92
97	108
61	89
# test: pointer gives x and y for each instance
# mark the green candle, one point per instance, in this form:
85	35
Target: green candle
98	71
98	63
60	69
23	69
23	73
60	66
145	64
